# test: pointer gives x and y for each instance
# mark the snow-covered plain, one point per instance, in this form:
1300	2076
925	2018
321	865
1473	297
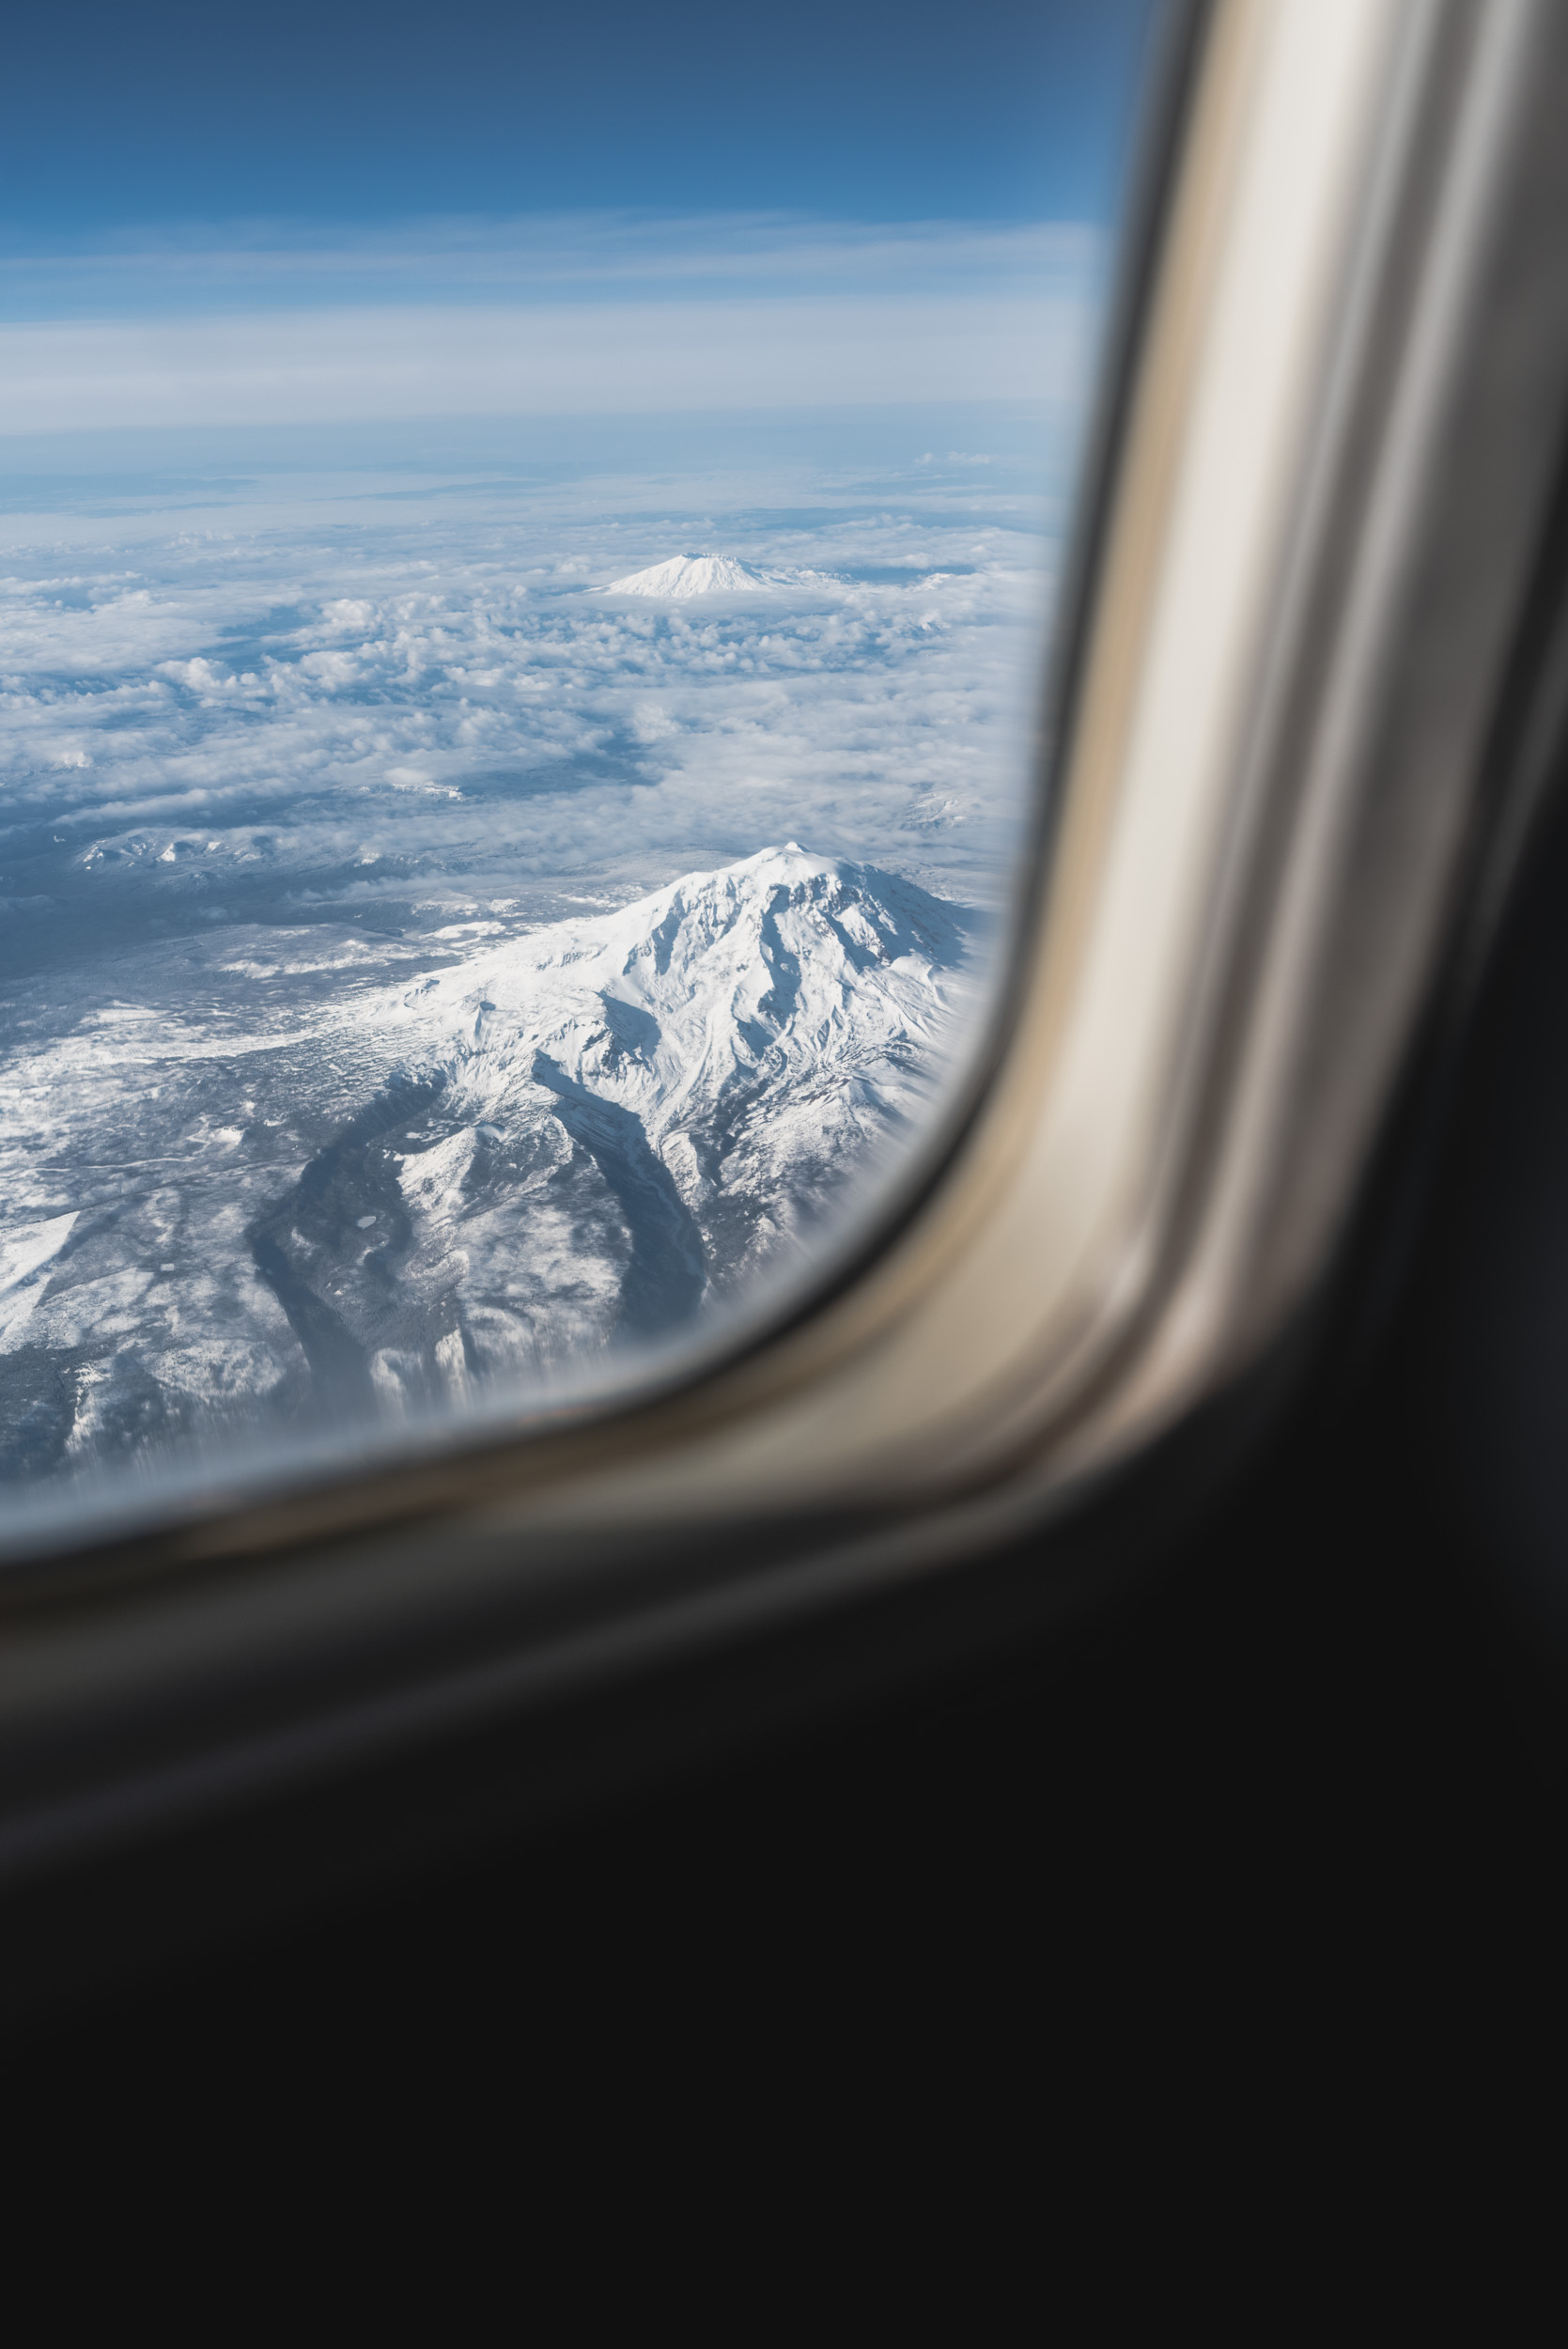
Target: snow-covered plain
405	990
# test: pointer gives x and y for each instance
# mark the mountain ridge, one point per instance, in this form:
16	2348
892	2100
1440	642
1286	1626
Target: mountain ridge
624	1117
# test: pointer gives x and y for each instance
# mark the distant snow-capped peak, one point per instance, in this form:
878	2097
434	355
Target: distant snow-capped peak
687	575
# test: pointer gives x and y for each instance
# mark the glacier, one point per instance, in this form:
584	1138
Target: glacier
587	1136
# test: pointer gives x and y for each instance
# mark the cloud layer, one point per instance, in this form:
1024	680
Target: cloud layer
434	705
455	713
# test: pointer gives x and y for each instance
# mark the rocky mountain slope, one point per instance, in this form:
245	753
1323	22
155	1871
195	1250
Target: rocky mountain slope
603	1128
595	1132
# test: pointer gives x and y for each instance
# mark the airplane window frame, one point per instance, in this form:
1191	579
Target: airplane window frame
1339	712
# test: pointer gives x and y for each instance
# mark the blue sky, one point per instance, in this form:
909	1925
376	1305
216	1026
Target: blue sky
117	118
336	213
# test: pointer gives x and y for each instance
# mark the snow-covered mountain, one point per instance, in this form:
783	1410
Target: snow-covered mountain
590	1132
601	1126
687	575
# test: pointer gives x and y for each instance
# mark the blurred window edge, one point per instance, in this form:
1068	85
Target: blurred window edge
1319	511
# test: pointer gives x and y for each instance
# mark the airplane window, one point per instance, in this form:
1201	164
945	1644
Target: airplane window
527	544
728	910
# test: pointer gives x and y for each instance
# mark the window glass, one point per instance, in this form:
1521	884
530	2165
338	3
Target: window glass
526	543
